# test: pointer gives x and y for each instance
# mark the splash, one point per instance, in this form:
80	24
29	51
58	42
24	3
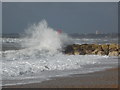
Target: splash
41	37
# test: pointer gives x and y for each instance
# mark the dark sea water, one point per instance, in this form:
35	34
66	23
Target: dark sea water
15	43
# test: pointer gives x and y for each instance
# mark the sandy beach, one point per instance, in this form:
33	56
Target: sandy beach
102	79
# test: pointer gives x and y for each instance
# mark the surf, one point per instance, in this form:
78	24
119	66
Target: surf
42	37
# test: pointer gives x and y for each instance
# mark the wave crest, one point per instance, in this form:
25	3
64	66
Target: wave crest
40	36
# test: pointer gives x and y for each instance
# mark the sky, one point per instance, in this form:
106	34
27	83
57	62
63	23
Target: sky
75	17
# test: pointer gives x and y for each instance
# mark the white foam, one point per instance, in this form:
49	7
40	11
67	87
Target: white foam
40	36
11	40
35	67
27	61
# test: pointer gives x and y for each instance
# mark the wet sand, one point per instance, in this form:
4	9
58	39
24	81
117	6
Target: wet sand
102	79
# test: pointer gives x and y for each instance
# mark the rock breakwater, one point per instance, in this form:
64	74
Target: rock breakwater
93	49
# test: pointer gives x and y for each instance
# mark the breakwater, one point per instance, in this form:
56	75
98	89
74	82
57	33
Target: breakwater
93	49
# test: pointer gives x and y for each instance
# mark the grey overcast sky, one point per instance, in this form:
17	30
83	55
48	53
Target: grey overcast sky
75	17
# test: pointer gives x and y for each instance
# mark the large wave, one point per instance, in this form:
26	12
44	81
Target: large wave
41	37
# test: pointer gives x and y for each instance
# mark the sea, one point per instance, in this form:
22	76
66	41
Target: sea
38	56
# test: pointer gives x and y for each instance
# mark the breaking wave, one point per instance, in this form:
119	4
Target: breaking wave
40	36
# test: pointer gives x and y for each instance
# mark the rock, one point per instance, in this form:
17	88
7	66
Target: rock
88	52
105	48
101	53
79	52
69	50
113	53
47	67
95	51
96	46
119	52
119	48
82	52
86	47
69	53
76	52
113	47
75	46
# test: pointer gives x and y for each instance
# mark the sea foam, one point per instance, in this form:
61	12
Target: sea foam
40	36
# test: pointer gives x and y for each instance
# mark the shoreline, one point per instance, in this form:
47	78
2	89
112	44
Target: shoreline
100	79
